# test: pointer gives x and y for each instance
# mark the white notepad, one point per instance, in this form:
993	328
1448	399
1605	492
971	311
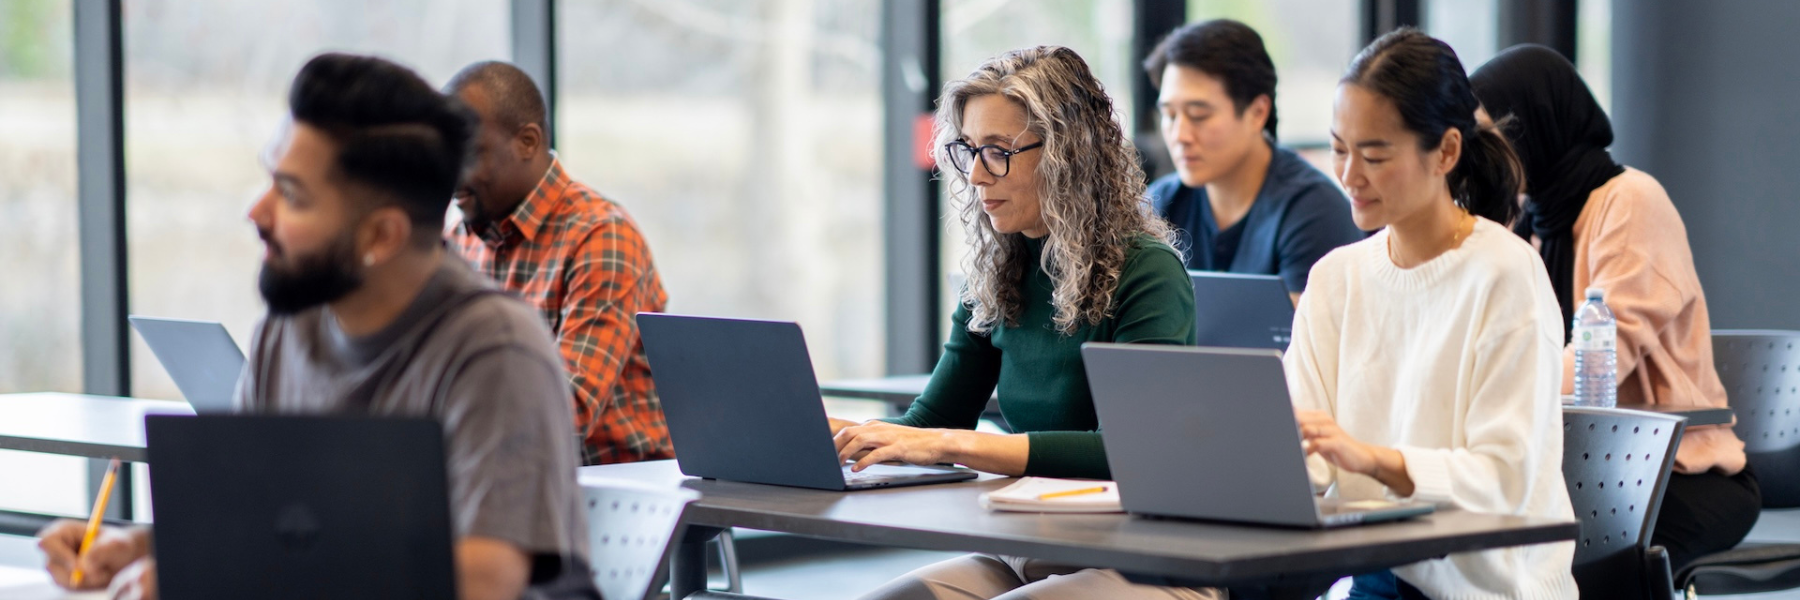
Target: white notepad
1027	495
34	584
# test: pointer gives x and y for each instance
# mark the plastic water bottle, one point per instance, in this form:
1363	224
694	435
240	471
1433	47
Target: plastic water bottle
1595	336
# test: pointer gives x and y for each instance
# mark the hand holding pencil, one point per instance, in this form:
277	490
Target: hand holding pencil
108	550
94	521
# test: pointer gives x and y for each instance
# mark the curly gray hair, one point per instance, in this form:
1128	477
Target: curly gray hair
1091	187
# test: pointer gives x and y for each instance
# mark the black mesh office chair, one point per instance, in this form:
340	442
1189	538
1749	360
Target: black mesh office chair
1761	373
1616	464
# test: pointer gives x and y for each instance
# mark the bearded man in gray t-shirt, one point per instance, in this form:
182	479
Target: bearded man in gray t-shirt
369	316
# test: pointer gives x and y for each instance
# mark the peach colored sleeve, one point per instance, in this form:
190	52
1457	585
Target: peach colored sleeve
1641	299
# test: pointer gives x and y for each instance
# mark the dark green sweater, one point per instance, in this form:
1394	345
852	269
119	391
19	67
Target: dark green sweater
1043	389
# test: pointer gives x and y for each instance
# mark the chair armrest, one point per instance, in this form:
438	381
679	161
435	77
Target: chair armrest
1659	578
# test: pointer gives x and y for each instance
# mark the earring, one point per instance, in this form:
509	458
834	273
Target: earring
369	259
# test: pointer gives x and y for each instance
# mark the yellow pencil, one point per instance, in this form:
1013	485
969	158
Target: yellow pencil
1067	493
93	528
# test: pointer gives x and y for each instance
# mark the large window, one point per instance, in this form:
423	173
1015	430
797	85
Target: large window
40	282
1471	27
40	317
1593	48
1098	30
205	89
745	139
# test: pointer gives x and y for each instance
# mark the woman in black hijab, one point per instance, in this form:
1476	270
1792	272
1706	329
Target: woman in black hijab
1599	224
1560	135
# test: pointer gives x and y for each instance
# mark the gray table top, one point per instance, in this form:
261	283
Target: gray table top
78	424
1695	415
948	517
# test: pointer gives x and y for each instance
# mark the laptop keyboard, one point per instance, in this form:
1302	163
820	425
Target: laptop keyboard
885	473
853	478
1340	507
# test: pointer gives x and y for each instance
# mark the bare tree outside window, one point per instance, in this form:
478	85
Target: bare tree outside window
745	139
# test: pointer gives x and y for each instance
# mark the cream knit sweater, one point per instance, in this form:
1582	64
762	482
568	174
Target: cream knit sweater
1456	363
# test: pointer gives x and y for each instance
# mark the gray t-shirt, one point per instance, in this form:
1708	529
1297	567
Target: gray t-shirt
477	360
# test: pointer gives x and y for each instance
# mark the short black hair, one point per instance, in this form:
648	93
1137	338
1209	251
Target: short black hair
1228	50
395	134
514	96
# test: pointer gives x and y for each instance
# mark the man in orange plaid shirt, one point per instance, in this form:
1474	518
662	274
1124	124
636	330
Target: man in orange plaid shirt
574	254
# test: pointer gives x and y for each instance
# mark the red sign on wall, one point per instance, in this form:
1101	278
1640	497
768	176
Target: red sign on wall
922	142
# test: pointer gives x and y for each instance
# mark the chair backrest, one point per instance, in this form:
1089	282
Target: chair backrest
1616	463
630	525
1761	373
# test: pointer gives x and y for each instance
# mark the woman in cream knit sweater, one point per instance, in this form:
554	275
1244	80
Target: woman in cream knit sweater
1426	360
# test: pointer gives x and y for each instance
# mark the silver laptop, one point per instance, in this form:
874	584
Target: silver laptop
742	404
1234	310
199	355
1209	433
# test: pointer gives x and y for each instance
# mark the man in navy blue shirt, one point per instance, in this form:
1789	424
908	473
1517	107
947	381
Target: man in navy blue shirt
1242	204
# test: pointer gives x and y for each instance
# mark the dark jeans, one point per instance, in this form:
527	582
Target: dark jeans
1706	513
1383	586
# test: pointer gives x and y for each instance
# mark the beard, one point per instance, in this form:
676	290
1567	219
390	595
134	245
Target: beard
476	217
312	280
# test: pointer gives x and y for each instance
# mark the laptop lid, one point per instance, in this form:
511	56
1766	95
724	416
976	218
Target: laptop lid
1235	310
199	355
300	507
1206	433
741	400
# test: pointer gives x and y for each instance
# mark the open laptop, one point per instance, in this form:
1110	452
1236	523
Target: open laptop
1209	433
300	507
1234	310
743	404
199	355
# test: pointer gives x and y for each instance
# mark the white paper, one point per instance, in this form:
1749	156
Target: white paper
1024	495
34	584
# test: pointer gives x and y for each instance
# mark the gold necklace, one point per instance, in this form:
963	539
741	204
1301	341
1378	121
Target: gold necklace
1456	235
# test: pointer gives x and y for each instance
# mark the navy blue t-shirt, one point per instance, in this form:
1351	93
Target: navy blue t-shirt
1298	217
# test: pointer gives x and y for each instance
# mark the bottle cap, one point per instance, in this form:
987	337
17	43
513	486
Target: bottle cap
1595	293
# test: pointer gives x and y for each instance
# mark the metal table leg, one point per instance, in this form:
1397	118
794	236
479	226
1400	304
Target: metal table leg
687	563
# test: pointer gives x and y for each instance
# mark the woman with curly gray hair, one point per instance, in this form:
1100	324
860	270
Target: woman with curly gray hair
1063	249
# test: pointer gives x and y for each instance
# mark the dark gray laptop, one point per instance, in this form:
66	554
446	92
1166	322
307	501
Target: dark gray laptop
300	507
199	355
1234	310
1209	433
743	404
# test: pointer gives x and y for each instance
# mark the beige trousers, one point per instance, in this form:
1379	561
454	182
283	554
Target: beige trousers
985	577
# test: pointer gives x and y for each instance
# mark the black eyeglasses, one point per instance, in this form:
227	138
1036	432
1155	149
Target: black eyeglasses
997	160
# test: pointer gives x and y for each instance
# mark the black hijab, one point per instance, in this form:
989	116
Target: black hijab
1561	136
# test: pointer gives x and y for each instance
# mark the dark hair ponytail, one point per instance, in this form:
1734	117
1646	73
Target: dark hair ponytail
1487	180
1423	78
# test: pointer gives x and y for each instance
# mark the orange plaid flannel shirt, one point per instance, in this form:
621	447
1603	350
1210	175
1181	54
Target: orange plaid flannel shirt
581	260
